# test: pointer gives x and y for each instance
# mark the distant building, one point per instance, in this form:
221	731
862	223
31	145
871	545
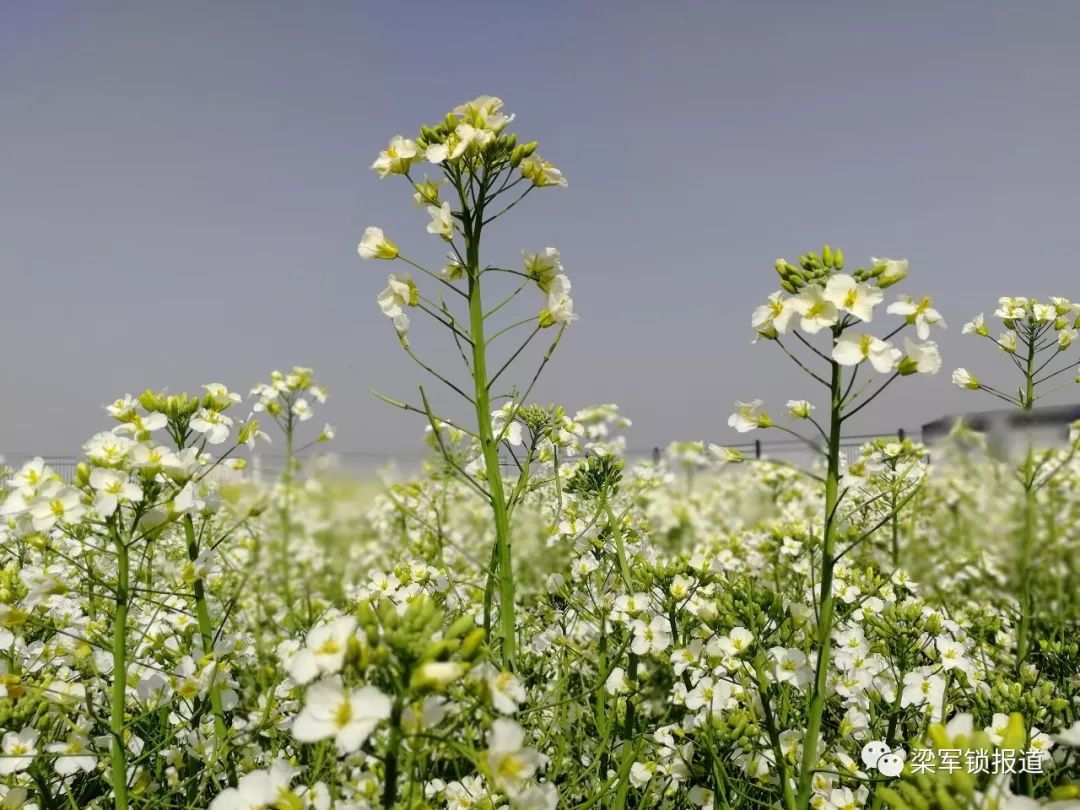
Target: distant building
1009	431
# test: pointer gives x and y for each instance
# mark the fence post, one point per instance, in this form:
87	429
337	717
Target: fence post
900	434
757	448
656	455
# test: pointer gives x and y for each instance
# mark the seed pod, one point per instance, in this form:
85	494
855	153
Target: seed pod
470	647
460	627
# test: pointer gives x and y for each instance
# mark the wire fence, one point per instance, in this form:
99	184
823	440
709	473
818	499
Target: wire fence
364	463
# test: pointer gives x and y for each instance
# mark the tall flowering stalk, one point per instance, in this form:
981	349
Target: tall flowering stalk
1036	338
287	399
817	297
486	173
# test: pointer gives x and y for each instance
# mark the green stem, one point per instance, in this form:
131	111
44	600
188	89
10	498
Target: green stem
773	731
390	776
825	617
119	674
504	563
206	633
286	515
1027	535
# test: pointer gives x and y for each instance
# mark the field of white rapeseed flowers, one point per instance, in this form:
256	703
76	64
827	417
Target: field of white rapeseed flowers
533	622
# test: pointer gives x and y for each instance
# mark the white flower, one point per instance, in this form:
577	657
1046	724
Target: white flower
442	222
302	409
921	687
791	666
799	409
544	796
1070	736
374	245
920	358
1010	308
541	172
18	751
1007	341
509	762
218	394
617	683
333	711
920	313
505	689
400	293
72	756
324	650
851	296
484	112
777	313
652	637
976	326
1043	313
816	310
736	642
56	502
852	348
543	267
965	379
213	424
560	307
952	654
258	789
108	449
111	487
893	271
397	157
748	417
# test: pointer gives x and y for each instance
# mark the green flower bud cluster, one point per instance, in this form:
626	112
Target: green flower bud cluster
1031	700
1060	659
596	477
899	629
176	407
813	268
542	421
19	711
12	588
502	149
421	637
746	602
736	728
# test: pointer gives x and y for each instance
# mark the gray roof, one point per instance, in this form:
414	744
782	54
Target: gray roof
982	421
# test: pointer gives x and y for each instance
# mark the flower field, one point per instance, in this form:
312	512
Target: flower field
533	621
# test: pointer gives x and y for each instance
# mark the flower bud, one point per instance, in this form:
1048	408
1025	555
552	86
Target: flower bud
838	259
472	645
437	675
827	255
892	272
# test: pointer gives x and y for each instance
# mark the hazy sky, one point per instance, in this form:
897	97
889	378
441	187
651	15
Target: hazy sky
183	184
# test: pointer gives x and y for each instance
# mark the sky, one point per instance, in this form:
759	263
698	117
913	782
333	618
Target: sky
183	185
